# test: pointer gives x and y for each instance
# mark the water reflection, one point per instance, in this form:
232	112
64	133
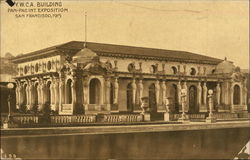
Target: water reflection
214	144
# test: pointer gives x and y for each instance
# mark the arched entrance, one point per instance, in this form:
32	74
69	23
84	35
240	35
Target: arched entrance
94	91
68	92
152	98
193	107
48	100
236	94
35	92
129	97
174	98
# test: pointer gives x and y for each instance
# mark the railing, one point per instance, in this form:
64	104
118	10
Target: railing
244	115
225	115
72	119
123	118
191	116
26	119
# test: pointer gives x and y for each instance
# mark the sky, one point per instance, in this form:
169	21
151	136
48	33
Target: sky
214	28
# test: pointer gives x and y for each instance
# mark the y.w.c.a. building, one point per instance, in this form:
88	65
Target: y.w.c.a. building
90	78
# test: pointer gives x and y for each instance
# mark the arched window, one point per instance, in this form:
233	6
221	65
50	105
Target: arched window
236	94
129	97
174	98
25	69
192	71
94	91
25	94
68	91
193	107
131	67
174	70
111	94
36	67
152	98
49	65
153	68
213	71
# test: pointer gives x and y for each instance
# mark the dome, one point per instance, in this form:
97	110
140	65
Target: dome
224	67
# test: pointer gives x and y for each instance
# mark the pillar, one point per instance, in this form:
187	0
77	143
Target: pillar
179	92
199	94
56	91
245	92
205	93
28	95
140	88
185	87
157	92
18	100
232	97
61	92
218	92
108	90
116	87
134	90
163	86
73	89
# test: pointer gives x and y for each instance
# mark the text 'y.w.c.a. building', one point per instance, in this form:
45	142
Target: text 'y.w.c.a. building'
89	78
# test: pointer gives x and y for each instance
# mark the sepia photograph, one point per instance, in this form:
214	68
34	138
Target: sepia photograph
124	79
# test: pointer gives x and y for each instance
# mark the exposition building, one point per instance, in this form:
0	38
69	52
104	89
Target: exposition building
93	78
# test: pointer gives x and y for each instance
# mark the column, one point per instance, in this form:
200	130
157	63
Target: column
108	90
205	93
52	94
116	86
17	95
51	88
56	91
32	99
232	97
28	95
157	91
85	92
241	94
185	87
179	92
245	92
134	90
73	89
39	91
163	86
218	92
61	93
199	93
140	88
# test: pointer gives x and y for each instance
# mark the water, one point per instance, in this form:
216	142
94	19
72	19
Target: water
203	144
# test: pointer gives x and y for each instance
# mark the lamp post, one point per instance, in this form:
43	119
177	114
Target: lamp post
184	117
6	123
210	118
10	86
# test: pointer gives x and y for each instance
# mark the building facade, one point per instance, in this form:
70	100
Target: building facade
92	78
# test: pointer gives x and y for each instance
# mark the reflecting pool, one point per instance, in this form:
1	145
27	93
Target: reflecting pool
202	144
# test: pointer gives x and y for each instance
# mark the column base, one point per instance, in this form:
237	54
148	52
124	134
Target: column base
146	117
184	118
167	117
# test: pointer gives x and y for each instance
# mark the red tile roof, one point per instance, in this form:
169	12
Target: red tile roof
127	51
